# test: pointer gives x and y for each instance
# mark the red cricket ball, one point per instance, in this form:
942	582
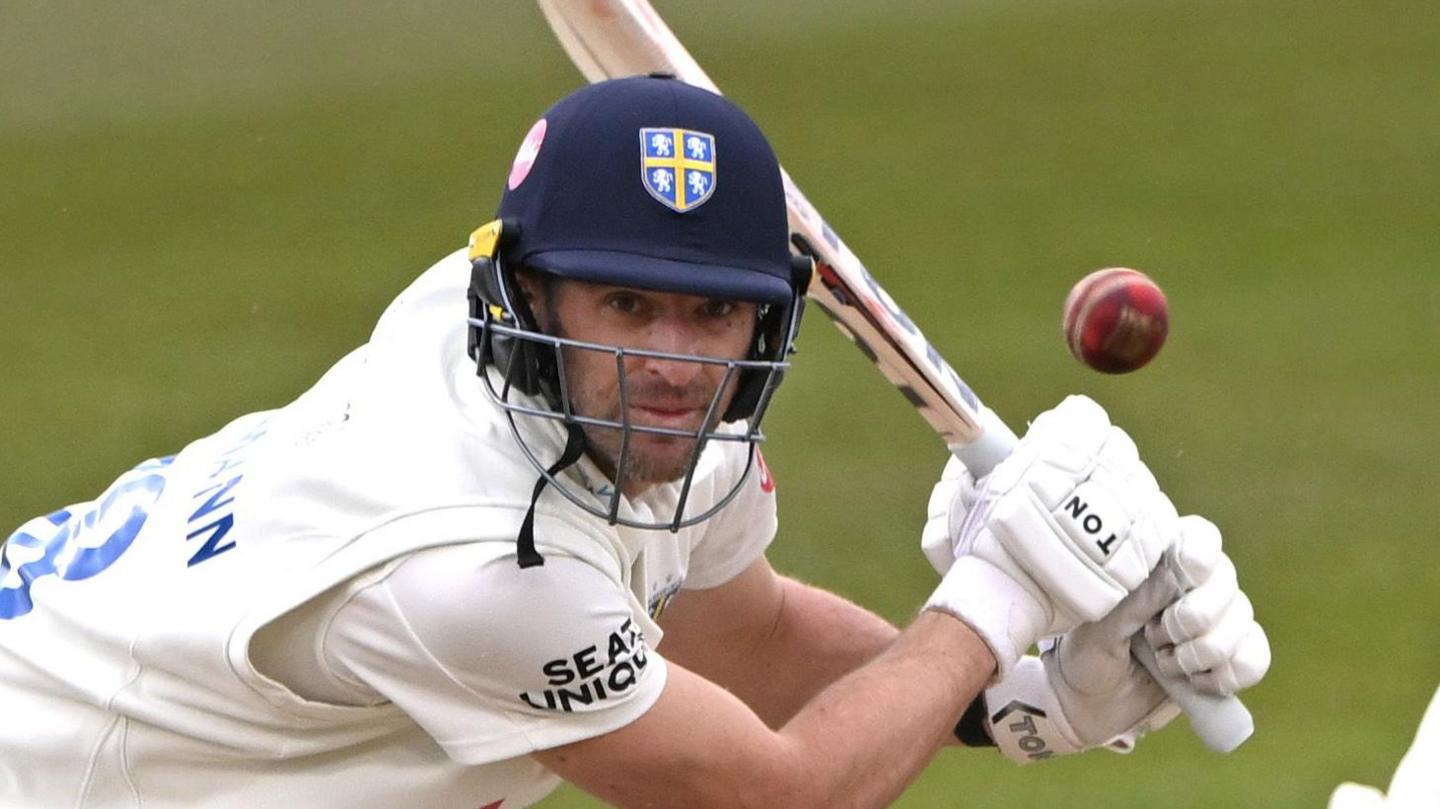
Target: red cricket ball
1116	319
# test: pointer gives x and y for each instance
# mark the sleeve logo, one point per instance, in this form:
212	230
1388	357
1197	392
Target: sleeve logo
592	675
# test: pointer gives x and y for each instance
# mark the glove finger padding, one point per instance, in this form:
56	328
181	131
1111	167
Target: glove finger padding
951	501
1077	423
1217	644
1195	556
1199	611
1210	634
1111	520
1246	668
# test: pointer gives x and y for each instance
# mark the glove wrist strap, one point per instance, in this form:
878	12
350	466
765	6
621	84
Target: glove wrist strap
1001	611
971	729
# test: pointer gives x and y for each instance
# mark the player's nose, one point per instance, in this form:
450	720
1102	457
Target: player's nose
676	337
676	373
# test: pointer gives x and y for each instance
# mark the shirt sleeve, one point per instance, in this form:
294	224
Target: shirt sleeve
495	661
740	533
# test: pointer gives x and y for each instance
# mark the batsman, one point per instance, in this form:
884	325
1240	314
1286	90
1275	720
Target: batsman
520	536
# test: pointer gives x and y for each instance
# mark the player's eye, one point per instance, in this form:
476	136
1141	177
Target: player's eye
625	302
719	308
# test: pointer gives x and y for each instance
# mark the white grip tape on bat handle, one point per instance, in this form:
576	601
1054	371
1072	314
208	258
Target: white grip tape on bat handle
987	450
1222	723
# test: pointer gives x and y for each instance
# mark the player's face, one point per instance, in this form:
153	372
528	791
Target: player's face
660	393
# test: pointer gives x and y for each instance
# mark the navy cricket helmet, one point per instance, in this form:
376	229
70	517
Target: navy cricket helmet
645	183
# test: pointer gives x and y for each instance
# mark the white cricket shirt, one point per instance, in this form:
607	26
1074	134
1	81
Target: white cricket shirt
366	533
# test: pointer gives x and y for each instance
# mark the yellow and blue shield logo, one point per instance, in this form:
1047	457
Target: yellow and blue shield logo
678	166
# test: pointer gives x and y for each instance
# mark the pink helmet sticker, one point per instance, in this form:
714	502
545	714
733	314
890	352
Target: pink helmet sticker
525	158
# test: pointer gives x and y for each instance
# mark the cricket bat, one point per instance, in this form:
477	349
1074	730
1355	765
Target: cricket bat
613	38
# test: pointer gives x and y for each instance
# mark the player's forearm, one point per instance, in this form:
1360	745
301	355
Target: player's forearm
818	638
862	750
856	744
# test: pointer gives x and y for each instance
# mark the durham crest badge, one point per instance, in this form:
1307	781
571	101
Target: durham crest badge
677	166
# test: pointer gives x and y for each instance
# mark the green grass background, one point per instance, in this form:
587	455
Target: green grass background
203	205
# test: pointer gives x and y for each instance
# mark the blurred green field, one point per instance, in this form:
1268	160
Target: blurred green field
204	205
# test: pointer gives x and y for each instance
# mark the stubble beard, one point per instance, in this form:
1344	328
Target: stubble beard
650	459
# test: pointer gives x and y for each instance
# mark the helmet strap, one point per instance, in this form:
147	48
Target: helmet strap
525	553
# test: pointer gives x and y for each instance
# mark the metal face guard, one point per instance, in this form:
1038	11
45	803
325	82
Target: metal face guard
708	430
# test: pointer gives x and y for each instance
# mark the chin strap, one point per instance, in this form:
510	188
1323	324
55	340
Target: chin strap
525	553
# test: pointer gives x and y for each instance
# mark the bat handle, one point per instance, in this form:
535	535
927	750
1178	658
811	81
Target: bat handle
1222	723
994	444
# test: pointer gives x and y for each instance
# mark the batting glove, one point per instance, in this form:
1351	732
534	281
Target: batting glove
1055	536
1086	690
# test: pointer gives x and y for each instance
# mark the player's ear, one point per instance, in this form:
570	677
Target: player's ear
535	292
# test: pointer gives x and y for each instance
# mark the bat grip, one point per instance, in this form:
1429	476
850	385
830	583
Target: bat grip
1222	723
993	445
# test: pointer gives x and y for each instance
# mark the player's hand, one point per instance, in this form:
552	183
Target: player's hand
1094	693
1055	536
1209	635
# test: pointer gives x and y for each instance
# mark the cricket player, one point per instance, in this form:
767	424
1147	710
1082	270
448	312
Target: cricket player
519	536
